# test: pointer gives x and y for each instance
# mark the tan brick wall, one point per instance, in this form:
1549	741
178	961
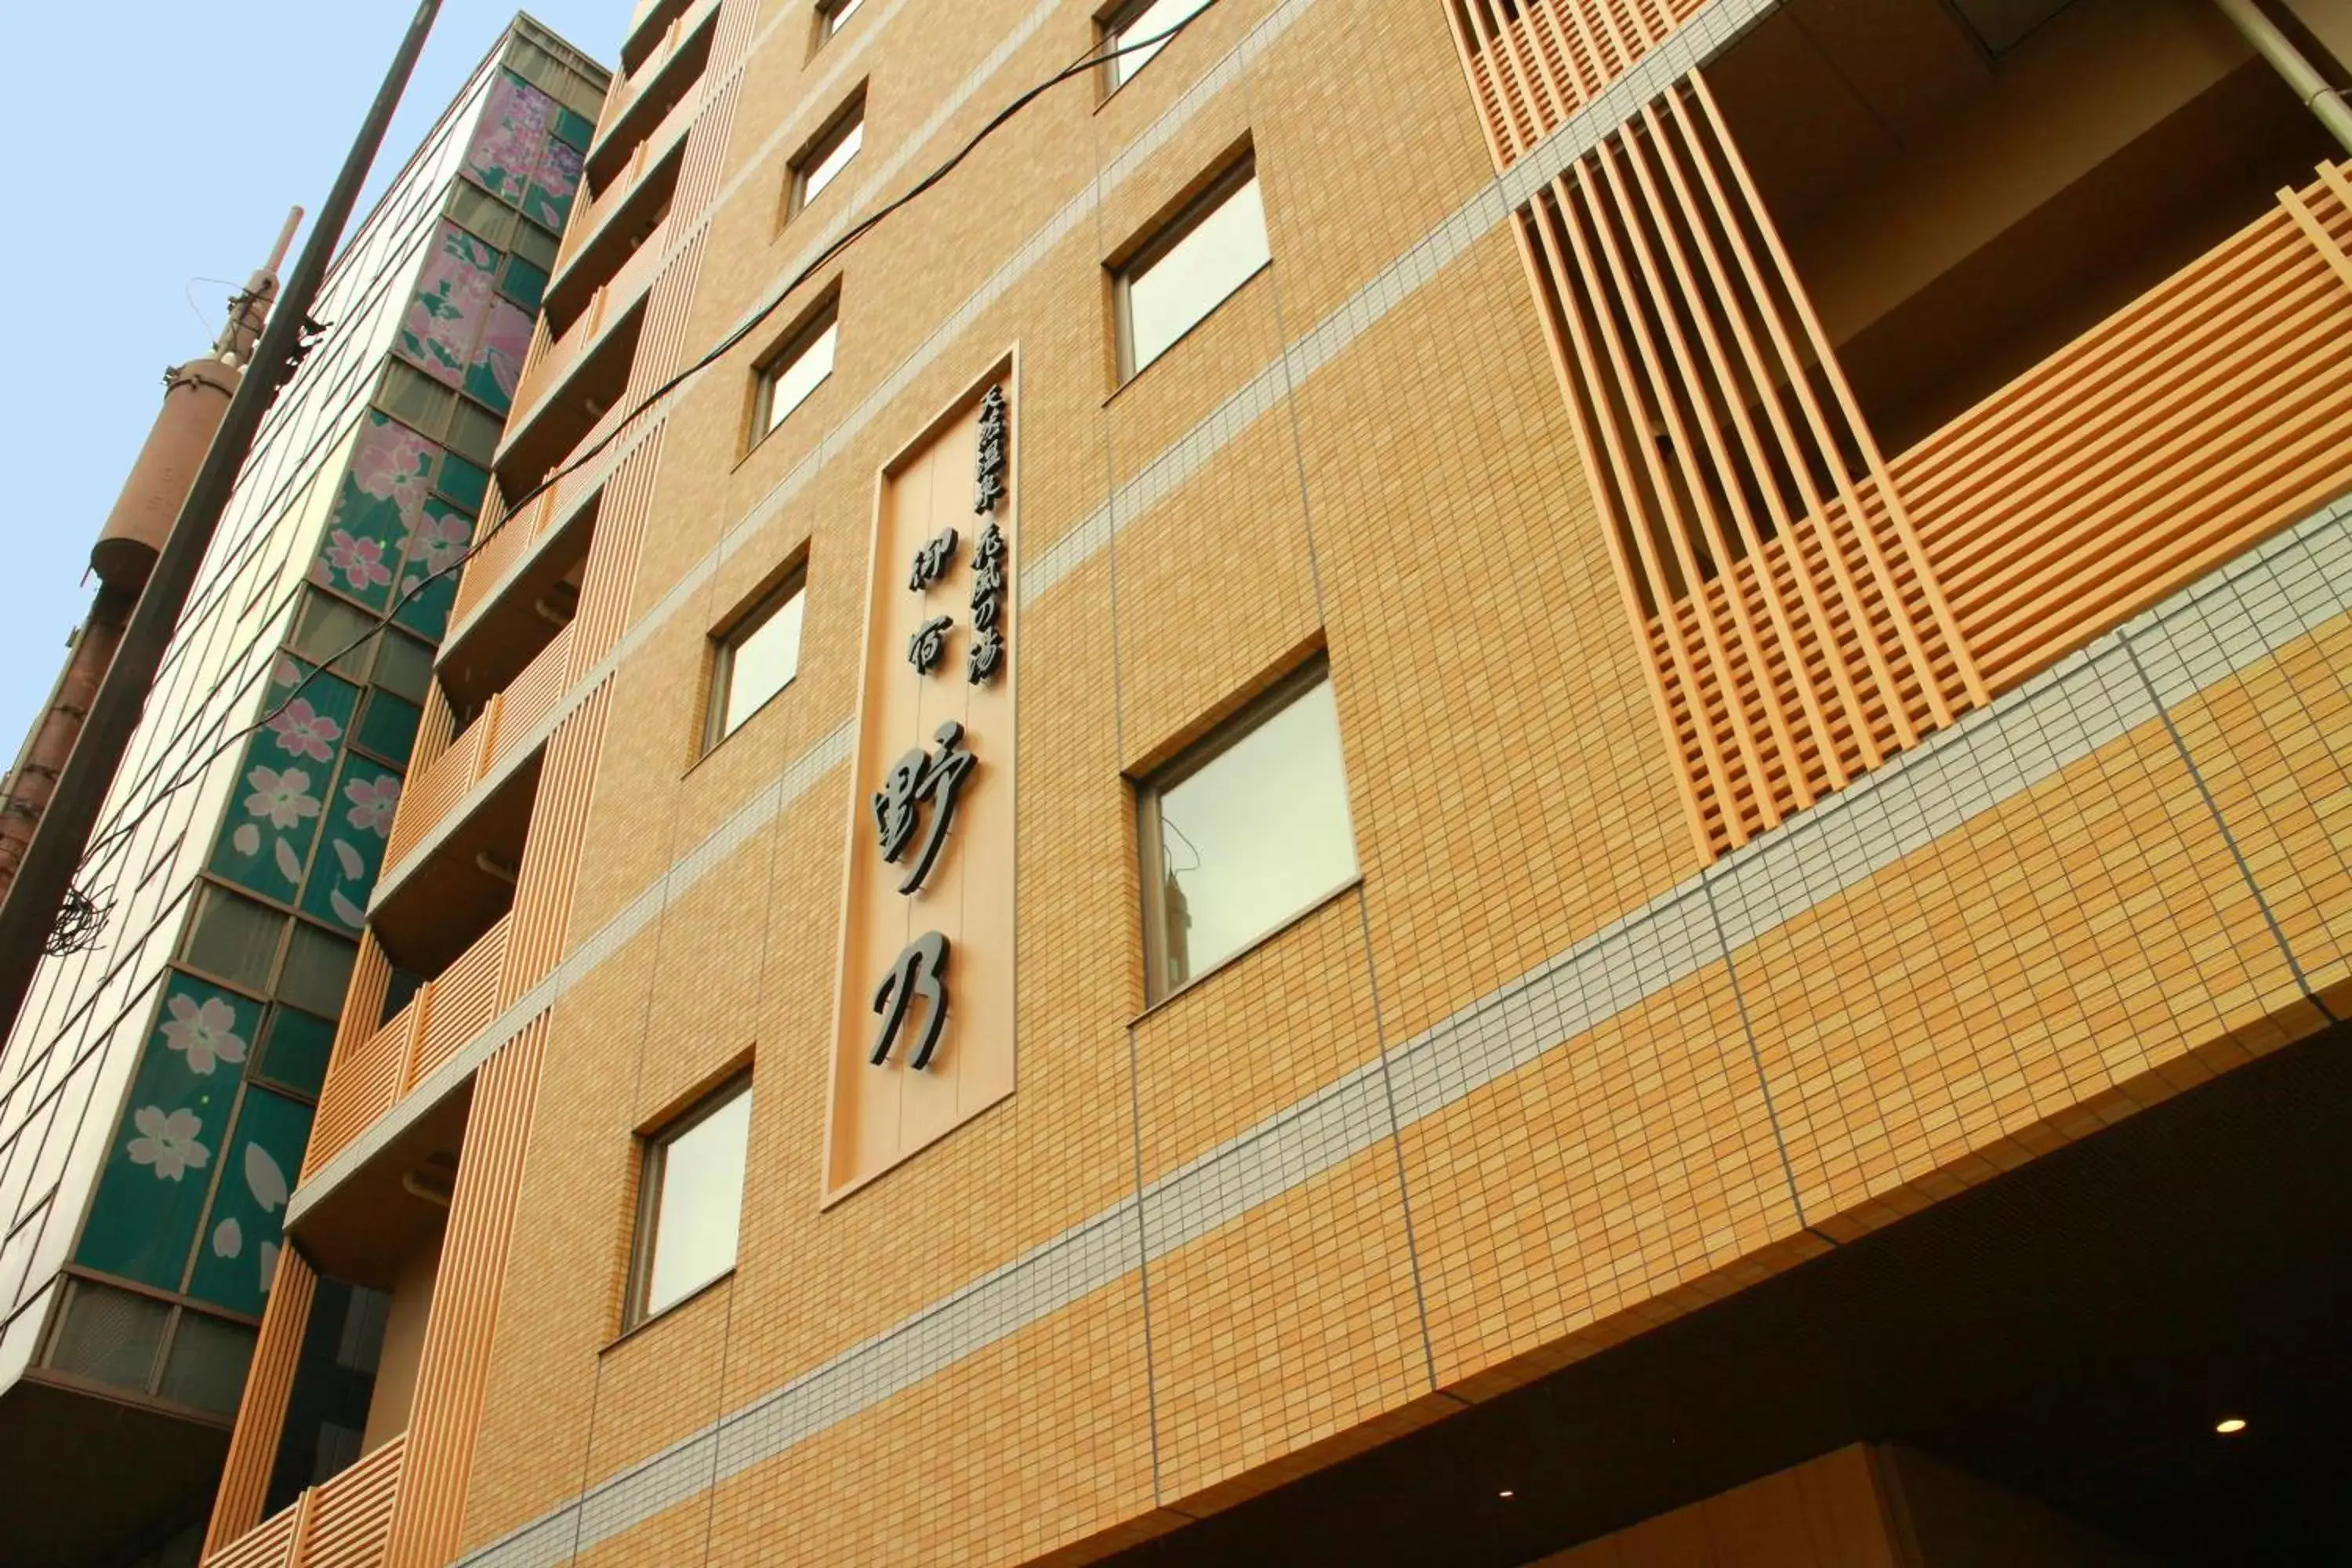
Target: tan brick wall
1418	505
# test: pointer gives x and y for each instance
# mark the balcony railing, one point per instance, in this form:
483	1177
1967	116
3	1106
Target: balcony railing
506	723
344	1523
615	192
489	565
369	1080
626	91
543	376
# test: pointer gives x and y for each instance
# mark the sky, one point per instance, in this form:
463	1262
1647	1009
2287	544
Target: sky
152	145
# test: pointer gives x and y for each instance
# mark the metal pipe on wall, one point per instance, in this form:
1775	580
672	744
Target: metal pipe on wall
2321	97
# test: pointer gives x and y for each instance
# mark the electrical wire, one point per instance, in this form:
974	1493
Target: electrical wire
1085	63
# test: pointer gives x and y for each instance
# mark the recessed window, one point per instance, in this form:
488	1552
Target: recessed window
692	1202
830	17
829	154
1244	833
795	372
755	660
1212	249
1131	24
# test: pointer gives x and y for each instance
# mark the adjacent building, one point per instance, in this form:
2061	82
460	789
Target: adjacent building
159	1090
1469	781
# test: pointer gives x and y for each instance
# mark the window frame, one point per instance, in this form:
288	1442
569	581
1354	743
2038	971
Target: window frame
831	15
802	337
1115	20
653	1149
764	607
837	126
1221	737
1167	236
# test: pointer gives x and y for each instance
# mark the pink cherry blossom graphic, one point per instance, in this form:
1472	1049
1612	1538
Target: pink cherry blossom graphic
391	459
436	542
372	803
361	560
304	732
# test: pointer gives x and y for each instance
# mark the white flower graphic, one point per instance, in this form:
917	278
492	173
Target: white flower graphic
203	1034
284	798
372	801
168	1142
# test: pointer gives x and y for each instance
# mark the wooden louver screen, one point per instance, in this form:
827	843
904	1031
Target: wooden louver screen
1533	63
1797	632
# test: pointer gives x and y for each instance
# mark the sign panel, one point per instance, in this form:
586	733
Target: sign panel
923	1008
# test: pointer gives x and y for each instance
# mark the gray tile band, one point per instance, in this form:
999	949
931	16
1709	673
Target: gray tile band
2235	616
1072	215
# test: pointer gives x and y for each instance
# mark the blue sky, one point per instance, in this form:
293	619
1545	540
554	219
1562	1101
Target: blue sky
152	144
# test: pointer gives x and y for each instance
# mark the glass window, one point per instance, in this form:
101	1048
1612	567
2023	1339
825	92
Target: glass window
1245	832
317	970
1149	19
796	373
835	145
693	1202
835	13
1205	255
236	940
756	660
207	1363
109	1336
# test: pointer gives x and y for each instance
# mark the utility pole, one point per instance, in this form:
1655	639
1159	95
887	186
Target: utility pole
45	874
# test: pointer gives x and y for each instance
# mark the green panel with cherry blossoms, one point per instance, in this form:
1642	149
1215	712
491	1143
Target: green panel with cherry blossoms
458	329
390	534
238	1253
528	151
359	824
286	780
152	1191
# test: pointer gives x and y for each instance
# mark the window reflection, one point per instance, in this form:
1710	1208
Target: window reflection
1252	837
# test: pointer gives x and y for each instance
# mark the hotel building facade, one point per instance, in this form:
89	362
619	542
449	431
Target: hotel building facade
1469	781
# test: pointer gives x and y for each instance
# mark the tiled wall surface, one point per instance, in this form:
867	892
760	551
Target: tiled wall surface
1541	1080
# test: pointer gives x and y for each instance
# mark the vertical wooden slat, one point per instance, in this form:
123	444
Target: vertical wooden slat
1715	782
1615	525
453	1366
1732	393
261	1415
540	918
1873	457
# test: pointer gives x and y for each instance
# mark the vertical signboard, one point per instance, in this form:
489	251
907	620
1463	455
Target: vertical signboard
922	1036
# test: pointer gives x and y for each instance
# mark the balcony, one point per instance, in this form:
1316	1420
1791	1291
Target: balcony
344	1523
505	726
605	239
649	25
668	76
556	359
372	1076
570	412
654	162
555	511
1910	358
